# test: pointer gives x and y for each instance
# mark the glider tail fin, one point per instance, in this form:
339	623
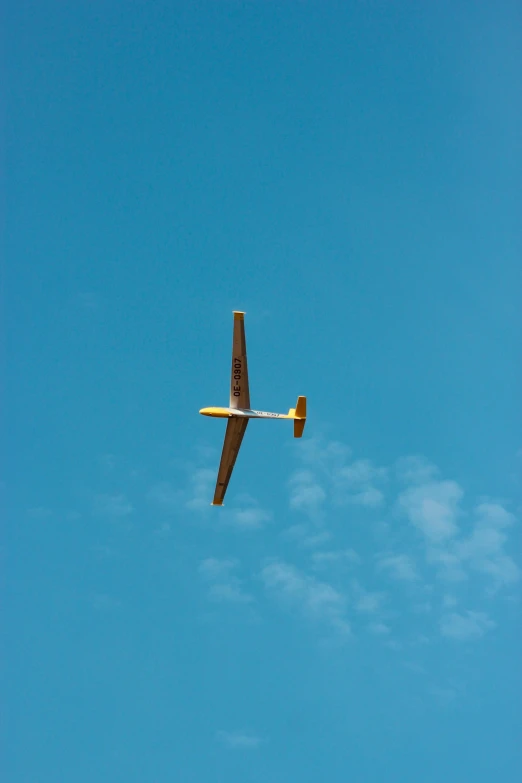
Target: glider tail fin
299	416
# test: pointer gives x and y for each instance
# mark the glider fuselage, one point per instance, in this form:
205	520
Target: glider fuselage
226	413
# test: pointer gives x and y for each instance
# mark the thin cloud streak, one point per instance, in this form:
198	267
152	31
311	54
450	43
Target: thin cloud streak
239	740
318	601
224	586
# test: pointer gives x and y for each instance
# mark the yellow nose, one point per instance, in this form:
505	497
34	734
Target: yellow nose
222	413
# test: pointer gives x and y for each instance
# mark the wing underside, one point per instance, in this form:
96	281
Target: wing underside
239	392
233	437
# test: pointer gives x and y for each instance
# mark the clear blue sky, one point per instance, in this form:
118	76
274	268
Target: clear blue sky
349	174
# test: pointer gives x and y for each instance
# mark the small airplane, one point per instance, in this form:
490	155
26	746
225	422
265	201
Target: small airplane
239	411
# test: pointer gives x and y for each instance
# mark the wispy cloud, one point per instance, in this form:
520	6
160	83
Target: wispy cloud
484	549
381	629
415	470
464	627
216	568
358	483
307	536
400	567
316	539
328	457
316	600
433	508
347	557
446	542
229	593
369	602
201	489
328	474
239	740
249	518
115	506
306	494
224	585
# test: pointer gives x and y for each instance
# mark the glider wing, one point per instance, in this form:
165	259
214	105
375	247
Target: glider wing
234	435
239	393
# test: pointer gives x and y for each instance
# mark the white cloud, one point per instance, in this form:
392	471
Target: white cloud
243	513
239	740
202	489
224	587
215	568
346	556
294	532
462	627
369	603
317	600
329	457
326	465
484	548
371	497
401	567
457	541
307	536
433	508
366	602
449	564
248	518
116	506
229	592
361	472
355	483
415	470
494	515
306	494
313	541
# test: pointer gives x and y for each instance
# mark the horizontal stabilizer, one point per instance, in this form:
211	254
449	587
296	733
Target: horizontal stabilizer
300	408
299	427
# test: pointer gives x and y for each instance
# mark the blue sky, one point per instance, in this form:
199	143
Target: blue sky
348	173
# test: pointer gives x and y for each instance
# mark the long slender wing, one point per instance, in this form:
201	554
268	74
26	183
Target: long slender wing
233	436
239	393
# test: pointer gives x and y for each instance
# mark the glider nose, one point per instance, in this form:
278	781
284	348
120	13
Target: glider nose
220	413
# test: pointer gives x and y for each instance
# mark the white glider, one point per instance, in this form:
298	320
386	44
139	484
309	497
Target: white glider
239	411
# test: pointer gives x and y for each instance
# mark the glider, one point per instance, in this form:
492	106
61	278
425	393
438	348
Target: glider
239	411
